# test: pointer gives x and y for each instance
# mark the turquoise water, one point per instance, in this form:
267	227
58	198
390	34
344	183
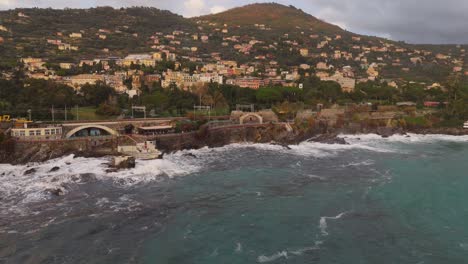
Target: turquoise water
397	200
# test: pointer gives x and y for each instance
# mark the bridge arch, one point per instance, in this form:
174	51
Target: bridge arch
74	131
251	118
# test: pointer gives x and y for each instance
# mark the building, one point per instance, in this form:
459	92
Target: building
185	80
139	59
247	82
33	64
304	52
37	133
322	66
76	35
66	65
116	81
78	81
151	78
347	84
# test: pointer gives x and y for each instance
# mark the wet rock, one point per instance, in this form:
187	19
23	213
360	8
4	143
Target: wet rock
123	162
385	132
54	169
84	177
30	171
55	192
285	146
190	155
87	177
329	139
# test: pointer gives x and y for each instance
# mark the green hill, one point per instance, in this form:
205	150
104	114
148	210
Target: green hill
126	29
276	16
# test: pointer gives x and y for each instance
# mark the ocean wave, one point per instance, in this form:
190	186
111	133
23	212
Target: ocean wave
323	225
265	259
408	138
21	185
287	253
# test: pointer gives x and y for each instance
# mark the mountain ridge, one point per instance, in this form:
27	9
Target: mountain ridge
273	14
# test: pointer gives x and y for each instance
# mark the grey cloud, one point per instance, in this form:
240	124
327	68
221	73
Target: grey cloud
415	21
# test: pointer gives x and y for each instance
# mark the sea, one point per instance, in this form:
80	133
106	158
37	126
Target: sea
402	199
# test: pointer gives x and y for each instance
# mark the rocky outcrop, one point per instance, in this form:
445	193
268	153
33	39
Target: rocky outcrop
329	139
54	169
123	162
30	171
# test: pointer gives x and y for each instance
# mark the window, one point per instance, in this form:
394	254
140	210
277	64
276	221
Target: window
38	133
53	131
31	132
47	132
22	133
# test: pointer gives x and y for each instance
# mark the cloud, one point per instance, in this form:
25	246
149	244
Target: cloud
217	9
6	3
194	7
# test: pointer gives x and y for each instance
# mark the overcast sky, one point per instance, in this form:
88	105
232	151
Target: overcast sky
414	21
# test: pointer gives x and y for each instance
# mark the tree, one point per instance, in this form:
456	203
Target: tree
96	94
269	95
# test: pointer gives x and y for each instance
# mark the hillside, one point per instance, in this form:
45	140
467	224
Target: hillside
125	29
276	16
255	34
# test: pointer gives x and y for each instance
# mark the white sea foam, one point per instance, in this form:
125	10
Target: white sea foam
265	259
323	222
357	164
287	253
19	188
239	247
408	138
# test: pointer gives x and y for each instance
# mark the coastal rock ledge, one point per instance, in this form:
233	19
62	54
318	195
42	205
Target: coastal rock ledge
123	162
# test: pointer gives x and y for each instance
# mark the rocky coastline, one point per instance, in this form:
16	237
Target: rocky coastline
24	153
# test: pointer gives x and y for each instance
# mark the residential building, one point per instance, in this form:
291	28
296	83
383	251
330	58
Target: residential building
347	84
247	82
78	81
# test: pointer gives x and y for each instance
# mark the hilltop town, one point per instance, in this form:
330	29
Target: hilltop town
263	56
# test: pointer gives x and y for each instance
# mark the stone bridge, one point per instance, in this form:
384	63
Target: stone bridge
108	128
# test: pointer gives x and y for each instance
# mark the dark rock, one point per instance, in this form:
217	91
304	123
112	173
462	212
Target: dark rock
123	162
55	191
87	177
285	146
385	132
329	139
190	155
54	169
30	171
84	177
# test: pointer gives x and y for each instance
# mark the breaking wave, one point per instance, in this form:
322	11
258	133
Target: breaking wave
287	253
323	225
22	184
35	182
